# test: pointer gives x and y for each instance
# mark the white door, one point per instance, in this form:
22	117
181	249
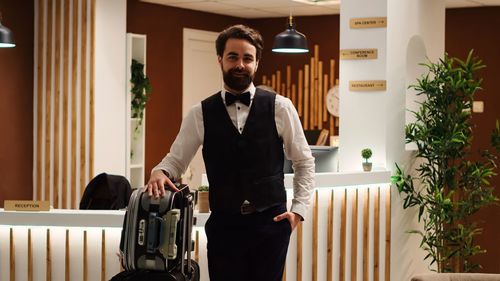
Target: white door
201	78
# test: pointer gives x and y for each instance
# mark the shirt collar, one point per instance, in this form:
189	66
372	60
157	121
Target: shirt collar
250	89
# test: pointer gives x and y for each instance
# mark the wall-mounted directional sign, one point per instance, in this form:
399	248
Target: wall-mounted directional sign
358	54
368	22
367	85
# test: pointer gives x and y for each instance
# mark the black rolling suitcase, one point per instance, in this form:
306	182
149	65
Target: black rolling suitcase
156	241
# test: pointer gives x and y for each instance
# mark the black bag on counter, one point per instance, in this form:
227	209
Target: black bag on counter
106	192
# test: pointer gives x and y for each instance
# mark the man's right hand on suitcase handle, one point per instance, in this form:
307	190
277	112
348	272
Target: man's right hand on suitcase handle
157	183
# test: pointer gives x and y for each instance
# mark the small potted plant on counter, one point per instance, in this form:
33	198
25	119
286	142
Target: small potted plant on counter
366	154
203	204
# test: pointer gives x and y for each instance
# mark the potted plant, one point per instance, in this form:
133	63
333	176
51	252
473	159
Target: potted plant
450	182
366	154
203	203
141	88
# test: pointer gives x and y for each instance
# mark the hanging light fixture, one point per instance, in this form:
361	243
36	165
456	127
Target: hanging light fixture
290	40
6	37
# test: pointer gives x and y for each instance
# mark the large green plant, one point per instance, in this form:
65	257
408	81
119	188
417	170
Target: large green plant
141	88
448	187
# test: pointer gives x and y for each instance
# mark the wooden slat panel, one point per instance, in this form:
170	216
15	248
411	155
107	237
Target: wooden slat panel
354	238
316	58
273	82
329	255
57	94
39	106
300	98
299	251
197	246
306	97
312	94
331	84
30	256
74	71
64	166
288	81
278	82
332	73
325	91
48	95
343	225
103	255
85	257
376	236
316	101
294	95
48	258
92	89
316	85
332	125
388	234
12	257
314	269
366	225
83	99
320	96
67	264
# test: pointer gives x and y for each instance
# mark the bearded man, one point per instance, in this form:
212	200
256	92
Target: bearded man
245	133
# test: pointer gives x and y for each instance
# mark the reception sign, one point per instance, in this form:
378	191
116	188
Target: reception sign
26	205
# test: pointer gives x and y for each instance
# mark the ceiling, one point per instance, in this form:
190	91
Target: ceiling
282	8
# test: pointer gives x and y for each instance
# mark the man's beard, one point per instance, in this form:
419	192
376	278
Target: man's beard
240	82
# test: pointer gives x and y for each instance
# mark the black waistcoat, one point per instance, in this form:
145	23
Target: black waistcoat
247	166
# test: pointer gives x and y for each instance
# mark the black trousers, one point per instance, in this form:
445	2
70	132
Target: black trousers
249	247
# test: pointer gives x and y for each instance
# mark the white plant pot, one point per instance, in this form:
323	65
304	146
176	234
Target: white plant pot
367	167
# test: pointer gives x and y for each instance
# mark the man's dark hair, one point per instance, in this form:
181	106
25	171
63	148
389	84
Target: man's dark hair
240	31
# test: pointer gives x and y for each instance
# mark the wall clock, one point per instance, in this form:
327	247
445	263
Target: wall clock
332	101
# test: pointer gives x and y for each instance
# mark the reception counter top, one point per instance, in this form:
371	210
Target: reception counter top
74	218
99	218
344	179
338	179
64	218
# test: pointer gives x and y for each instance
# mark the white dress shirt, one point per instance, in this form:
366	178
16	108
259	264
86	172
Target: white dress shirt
191	134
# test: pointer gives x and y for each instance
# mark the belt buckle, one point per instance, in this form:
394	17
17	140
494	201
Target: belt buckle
247	209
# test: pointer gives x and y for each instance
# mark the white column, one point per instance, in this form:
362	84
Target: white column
110	153
376	119
415	32
362	114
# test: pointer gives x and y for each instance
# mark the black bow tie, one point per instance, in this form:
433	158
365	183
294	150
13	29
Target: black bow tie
243	98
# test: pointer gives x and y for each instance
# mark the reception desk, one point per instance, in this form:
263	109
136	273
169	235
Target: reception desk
347	227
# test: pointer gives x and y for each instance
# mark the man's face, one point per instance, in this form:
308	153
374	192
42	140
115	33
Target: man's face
238	64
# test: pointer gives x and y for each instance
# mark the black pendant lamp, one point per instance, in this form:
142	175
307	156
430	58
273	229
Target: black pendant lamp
6	37
290	40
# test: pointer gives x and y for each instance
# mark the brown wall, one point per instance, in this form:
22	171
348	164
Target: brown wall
478	29
16	103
